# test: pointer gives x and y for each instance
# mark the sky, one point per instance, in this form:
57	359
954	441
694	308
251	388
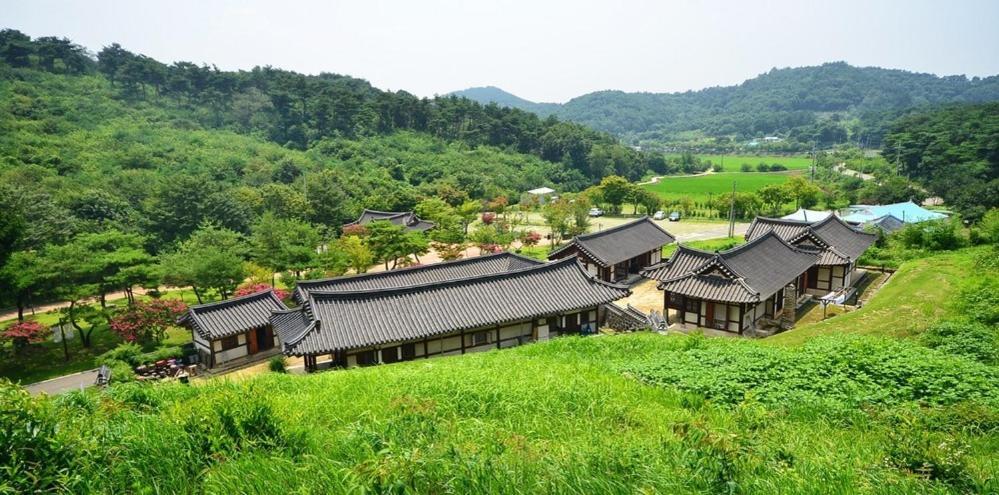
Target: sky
540	50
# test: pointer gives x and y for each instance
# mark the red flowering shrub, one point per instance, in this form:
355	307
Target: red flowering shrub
531	238
488	217
24	333
356	229
490	248
251	288
147	322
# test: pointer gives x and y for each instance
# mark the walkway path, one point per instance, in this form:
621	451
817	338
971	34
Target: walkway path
658	178
841	168
65	383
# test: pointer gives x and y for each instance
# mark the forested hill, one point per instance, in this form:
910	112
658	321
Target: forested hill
492	94
828	104
121	139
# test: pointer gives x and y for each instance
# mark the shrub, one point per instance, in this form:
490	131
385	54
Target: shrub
979	301
745	167
777	168
930	456
530	238
128	352
161	354
278	364
762	167
964	338
23	333
488	217
121	372
146	322
251	288
34	458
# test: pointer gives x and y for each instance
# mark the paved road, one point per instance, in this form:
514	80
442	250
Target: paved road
63	384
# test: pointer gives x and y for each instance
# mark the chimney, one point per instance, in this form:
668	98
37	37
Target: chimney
788	312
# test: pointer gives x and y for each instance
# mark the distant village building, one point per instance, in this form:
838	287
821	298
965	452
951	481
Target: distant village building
539	196
357	327
886	224
804	215
907	212
751	285
234	330
837	243
618	252
406	219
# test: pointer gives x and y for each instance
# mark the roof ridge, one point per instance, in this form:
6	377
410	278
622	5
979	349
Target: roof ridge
415	288
591	235
408	269
226	302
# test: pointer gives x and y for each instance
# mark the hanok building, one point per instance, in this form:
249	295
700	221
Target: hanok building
838	244
618	252
440	318
406	219
733	290
236	329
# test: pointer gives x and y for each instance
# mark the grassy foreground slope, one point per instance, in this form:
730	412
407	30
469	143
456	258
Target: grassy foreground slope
639	413
916	296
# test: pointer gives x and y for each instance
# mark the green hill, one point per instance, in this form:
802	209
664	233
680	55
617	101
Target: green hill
827	104
492	94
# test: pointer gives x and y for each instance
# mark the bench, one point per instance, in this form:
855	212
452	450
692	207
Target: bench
103	375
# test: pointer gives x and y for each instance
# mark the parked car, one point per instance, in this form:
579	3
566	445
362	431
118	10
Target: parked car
674	217
659	215
596	212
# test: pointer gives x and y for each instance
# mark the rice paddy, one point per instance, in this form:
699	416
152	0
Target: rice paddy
702	187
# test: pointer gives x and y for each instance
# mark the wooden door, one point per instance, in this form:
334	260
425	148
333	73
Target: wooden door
265	338
251	342
709	316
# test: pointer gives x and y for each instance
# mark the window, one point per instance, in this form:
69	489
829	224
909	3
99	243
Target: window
230	342
692	305
366	358
480	338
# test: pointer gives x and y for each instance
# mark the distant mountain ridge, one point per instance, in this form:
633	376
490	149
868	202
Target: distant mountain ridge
826	104
492	94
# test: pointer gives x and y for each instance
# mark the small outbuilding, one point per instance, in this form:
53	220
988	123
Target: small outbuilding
226	332
406	219
616	253
907	212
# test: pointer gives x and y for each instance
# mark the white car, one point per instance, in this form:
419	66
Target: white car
660	215
596	212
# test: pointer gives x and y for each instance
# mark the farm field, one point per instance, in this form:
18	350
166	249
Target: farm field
699	188
733	163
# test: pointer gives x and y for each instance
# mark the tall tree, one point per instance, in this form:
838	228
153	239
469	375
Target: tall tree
212	258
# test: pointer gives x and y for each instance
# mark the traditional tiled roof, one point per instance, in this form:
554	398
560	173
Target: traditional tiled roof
233	316
343	320
616	244
406	219
837	241
423	274
807	215
887	224
746	273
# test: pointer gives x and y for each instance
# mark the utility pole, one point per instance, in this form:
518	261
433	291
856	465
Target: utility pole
731	213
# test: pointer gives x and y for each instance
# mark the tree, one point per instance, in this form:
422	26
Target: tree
774	196
648	199
146	323
284	244
22	333
447	251
557	215
387	242
468	211
24	280
615	190
212	258
359	257
804	193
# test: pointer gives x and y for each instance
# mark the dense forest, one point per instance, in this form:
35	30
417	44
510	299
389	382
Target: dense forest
162	148
953	152
825	105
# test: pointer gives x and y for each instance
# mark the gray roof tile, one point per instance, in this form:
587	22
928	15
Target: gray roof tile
233	316
354	319
406	219
616	244
840	243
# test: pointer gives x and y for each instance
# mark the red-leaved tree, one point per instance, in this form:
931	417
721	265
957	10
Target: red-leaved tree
147	322
531	238
251	288
23	333
488	217
355	229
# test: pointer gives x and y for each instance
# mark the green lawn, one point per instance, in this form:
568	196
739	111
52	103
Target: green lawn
916	296
719	244
733	163
699	188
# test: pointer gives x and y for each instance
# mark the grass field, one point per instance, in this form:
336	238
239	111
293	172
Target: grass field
733	163
699	188
917	295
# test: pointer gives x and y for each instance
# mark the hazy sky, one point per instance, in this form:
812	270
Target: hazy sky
540	50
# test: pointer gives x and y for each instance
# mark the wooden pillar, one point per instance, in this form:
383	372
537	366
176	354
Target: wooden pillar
462	341
426	355
497	336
